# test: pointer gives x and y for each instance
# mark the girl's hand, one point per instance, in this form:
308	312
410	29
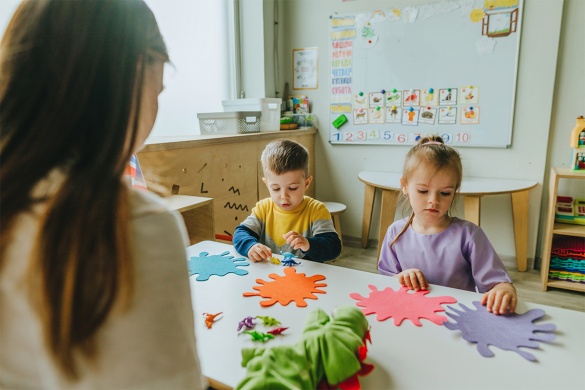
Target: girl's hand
500	298
259	252
413	279
297	241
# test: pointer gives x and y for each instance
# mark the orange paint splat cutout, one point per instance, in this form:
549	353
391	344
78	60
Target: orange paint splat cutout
402	305
290	287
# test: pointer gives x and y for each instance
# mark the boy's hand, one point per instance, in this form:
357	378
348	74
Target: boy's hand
500	298
297	241
259	252
413	279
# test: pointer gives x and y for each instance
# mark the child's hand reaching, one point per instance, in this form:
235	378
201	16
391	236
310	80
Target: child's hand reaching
259	252
413	279
500	298
297	241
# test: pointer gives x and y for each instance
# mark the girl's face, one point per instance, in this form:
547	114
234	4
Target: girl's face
287	190
431	194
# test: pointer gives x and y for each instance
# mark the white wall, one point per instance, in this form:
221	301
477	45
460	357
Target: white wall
337	166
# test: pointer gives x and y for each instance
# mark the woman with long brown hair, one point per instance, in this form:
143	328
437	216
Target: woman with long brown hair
94	288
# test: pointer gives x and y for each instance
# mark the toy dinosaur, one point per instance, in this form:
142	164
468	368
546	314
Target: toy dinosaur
277	331
210	318
288	260
274	260
248	322
257	336
269	321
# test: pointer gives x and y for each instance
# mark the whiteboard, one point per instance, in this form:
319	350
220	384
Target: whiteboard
446	68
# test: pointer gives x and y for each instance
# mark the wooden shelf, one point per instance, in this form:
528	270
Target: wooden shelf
566	285
560	229
568	229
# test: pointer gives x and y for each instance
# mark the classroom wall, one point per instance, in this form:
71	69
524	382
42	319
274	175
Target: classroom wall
339	165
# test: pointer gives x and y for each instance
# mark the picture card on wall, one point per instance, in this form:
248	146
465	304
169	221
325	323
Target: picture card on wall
428	115
447	115
411	97
377	115
470	115
360	116
410	116
448	96
393	114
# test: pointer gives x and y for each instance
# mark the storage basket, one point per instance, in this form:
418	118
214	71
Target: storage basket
229	122
269	107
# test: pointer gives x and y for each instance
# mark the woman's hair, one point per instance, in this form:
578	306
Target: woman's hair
432	153
283	156
71	76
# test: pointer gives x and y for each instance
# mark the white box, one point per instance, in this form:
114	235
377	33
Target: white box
229	122
270	108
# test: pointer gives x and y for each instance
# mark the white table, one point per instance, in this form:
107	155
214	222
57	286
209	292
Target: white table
405	356
472	189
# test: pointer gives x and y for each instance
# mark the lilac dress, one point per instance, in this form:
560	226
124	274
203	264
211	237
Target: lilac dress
460	256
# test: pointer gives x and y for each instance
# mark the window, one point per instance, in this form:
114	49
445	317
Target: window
200	39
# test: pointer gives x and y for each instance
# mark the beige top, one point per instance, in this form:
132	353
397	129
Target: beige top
151	345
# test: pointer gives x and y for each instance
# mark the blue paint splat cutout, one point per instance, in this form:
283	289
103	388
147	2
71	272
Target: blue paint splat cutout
507	332
219	265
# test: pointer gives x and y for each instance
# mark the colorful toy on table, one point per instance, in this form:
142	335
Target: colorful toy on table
290	287
248	322
219	265
274	260
330	354
277	331
258	336
268	321
402	305
288	261
211	318
578	145
508	332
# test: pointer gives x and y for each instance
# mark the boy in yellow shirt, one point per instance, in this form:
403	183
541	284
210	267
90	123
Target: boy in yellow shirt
288	221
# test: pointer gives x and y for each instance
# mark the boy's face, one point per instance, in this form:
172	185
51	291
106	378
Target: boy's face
288	189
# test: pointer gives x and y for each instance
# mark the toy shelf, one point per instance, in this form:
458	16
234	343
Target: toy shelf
553	229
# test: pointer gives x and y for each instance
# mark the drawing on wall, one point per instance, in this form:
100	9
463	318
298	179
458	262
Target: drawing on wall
305	68
422	67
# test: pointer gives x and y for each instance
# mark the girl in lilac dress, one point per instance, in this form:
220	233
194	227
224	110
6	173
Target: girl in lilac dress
431	246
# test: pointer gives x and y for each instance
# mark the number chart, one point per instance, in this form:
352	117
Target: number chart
446	68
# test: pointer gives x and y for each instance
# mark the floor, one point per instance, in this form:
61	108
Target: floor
527	283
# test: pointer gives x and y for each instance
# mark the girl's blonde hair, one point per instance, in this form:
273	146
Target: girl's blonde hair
430	152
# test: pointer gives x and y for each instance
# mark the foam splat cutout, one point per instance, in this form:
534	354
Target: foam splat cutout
402	305
285	289
508	332
219	265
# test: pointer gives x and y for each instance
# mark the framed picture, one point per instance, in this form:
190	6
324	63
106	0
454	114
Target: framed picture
305	67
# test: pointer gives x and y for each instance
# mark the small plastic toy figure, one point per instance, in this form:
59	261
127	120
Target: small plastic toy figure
210	319
277	331
287	260
274	260
257	336
269	321
248	322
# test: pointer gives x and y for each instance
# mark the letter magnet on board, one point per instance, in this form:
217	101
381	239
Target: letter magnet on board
339	121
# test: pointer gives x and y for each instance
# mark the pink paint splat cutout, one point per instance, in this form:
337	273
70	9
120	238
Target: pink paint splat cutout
402	305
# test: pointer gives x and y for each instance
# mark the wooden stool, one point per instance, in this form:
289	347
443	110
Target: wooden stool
335	209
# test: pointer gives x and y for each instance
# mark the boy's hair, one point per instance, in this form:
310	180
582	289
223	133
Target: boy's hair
430	151
283	156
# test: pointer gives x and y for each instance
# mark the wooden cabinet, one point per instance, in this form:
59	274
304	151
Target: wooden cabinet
223	167
553	229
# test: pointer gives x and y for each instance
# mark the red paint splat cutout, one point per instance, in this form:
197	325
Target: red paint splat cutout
402	305
290	287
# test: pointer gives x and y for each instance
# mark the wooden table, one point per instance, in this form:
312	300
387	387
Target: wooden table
197	212
405	356
472	189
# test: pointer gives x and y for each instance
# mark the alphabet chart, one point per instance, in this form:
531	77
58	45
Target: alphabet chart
446	68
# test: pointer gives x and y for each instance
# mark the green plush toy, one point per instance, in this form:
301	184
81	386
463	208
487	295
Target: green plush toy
330	352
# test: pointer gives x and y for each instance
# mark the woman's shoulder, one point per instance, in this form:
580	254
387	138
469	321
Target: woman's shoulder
144	202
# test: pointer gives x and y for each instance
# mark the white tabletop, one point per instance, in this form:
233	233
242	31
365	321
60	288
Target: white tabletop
469	185
405	356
